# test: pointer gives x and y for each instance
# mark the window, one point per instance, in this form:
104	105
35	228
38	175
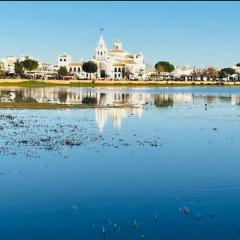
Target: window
79	69
119	75
116	47
119	69
60	60
64	59
70	69
75	69
115	69
101	53
115	75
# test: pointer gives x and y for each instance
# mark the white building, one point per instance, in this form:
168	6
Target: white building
182	71
117	63
234	77
114	64
76	68
8	63
236	68
64	60
44	67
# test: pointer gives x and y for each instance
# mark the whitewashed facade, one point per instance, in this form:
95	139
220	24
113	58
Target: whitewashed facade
64	60
8	63
236	68
112	64
182	71
117	62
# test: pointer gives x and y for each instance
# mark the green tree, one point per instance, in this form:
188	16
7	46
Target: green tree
30	64
163	66
226	71
19	68
222	74
62	71
90	67
238	64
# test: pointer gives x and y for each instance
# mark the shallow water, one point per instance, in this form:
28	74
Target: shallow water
66	174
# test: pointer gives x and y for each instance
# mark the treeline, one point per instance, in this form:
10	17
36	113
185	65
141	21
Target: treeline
166	67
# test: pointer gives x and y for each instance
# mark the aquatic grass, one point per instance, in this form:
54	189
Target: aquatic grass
106	83
36	105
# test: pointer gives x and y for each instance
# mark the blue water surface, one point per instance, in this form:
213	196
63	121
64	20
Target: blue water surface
134	172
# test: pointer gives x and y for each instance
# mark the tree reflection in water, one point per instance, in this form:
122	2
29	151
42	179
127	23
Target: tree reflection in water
62	96
163	100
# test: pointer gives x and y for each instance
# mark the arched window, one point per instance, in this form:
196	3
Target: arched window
64	59
115	69
60	60
75	69
79	69
70	69
101	53
119	69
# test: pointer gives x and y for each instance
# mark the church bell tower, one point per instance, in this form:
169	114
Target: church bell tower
101	49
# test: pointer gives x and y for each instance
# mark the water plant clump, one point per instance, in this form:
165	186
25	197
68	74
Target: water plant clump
20	133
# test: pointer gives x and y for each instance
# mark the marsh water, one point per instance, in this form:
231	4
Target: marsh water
144	163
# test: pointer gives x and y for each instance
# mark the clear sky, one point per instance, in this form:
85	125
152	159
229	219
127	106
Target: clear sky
192	33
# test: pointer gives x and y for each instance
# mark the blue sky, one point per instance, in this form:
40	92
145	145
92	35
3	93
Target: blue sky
193	33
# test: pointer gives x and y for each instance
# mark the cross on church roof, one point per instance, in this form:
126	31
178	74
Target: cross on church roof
118	38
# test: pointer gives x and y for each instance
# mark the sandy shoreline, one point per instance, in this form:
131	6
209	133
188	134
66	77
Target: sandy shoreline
27	82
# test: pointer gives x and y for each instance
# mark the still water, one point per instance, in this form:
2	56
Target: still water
157	163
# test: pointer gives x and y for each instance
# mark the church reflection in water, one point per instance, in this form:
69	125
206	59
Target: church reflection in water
109	104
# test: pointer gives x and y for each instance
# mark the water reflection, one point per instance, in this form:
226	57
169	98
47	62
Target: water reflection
116	114
114	104
72	96
163	100
101	97
178	164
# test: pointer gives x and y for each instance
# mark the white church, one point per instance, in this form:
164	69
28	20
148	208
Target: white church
115	63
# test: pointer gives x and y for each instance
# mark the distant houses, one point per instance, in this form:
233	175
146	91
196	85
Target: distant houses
75	71
237	68
8	63
115	64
